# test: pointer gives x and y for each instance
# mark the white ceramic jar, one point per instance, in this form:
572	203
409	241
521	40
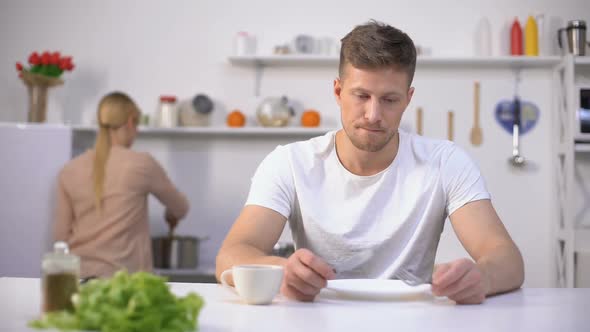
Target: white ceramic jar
167	112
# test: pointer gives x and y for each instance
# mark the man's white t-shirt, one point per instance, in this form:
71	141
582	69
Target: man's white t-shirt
368	226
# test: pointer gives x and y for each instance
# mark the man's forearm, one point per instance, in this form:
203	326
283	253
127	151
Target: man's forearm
503	269
243	254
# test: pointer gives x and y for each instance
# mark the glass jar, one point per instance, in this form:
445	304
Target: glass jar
61	271
167	112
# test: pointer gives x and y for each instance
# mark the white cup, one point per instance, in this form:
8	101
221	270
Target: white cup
255	284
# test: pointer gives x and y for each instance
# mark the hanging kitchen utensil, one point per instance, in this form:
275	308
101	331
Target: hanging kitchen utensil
171	228
419	120
517	160
476	135
529	115
450	126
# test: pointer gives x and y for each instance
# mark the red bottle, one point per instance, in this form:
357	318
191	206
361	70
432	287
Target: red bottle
516	38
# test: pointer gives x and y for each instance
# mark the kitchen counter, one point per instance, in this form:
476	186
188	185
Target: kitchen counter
530	309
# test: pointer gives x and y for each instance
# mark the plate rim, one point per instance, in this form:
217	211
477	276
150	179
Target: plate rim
418	289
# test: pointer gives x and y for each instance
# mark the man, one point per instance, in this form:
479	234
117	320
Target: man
370	200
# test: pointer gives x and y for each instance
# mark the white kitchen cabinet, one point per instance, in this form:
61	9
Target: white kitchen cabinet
32	156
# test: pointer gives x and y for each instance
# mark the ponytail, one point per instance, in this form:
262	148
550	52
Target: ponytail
114	110
102	148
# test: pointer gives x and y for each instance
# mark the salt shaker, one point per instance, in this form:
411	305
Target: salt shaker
61	271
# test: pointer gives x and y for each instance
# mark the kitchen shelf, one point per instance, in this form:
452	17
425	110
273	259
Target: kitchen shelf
582	241
582	147
520	62
516	63
220	131
581	139
582	60
283	60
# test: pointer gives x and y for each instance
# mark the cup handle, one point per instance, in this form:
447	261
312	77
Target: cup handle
559	37
223	280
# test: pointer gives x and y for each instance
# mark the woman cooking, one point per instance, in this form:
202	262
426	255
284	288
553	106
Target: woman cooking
102	206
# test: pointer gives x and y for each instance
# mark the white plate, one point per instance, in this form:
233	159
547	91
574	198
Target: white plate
378	289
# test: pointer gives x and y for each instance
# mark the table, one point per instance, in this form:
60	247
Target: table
531	309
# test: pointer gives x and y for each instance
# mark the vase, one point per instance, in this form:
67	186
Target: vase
37	103
38	86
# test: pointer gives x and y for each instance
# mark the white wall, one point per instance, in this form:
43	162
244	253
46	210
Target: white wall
147	48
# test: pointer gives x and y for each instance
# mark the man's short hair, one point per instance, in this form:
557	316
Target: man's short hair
376	45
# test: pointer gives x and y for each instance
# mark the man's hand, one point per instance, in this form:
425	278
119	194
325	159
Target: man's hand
305	275
461	281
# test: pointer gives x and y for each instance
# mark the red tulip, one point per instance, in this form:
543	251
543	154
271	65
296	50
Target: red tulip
19	66
67	63
45	58
54	58
34	58
63	64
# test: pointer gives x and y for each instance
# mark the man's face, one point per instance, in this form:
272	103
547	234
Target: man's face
372	103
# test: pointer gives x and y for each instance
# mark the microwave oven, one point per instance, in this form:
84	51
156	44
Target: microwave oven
582	124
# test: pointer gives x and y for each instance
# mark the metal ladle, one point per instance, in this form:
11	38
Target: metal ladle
517	160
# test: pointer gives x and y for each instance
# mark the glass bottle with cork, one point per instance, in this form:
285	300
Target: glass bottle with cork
61	271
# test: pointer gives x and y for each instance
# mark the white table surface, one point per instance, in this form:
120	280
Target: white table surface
532	309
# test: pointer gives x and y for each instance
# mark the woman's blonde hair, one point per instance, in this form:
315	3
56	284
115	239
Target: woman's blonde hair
114	111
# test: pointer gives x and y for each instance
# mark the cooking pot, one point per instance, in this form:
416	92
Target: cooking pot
176	252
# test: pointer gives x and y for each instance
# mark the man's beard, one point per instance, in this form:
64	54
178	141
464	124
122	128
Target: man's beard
368	144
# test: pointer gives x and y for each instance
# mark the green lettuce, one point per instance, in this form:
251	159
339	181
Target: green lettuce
126	302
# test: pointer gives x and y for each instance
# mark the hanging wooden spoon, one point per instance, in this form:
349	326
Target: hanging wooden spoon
419	120
476	135
450	127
